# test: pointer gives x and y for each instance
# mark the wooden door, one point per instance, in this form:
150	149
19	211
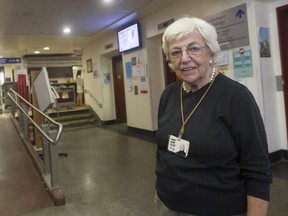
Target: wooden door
282	19
119	89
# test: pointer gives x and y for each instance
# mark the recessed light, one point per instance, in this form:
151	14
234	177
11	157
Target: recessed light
66	30
36	52
46	48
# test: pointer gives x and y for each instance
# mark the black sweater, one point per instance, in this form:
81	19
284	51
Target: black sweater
228	156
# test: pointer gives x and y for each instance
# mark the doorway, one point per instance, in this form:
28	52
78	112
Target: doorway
282	20
119	89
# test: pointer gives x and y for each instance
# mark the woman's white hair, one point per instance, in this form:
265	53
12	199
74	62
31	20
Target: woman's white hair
184	26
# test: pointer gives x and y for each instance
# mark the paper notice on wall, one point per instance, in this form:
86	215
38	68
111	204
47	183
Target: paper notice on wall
144	85
242	58
130	85
136	90
128	69
141	71
223	58
106	79
140	58
223	70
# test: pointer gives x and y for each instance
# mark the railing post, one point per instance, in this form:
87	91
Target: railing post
46	153
13	109
50	154
24	122
54	159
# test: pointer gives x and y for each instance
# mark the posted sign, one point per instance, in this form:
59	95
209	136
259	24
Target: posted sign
232	27
10	60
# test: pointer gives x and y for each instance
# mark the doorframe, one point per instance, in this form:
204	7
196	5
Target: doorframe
282	22
115	89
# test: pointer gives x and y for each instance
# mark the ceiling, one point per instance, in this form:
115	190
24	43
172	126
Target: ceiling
30	25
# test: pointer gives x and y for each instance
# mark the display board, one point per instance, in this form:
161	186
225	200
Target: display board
43	90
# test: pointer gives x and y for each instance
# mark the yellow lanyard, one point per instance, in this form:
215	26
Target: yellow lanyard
181	132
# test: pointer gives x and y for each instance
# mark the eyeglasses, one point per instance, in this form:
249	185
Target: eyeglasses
194	50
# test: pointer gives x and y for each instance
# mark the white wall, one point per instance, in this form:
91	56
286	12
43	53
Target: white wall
95	50
156	74
138	106
142	109
273	100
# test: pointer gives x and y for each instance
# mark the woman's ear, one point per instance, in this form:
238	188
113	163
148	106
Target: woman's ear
211	58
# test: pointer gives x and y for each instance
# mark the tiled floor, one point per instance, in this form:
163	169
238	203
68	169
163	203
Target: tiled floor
105	173
109	172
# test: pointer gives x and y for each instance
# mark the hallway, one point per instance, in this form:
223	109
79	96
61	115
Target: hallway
108	172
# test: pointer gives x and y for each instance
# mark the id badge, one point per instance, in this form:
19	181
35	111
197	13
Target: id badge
178	146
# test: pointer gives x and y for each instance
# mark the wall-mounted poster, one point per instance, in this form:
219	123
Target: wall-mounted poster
242	58
89	65
106	79
223	58
134	61
95	71
264	42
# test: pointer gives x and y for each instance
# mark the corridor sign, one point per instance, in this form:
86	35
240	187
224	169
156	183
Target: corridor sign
232	27
10	60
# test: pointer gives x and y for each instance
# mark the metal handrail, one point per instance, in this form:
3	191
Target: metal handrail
91	95
60	126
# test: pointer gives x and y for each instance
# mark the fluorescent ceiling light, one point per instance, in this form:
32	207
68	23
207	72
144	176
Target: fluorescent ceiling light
36	52
46	48
66	30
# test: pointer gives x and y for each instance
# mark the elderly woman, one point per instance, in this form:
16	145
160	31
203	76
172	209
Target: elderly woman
226	170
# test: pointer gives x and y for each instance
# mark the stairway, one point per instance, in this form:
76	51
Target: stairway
75	117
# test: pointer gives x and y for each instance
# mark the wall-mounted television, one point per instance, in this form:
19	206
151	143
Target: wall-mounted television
129	38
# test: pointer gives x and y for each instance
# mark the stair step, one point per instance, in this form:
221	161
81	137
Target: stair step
78	122
82	121
54	112
80	116
72	117
71	113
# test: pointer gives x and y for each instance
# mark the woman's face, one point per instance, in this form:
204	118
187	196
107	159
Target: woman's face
194	69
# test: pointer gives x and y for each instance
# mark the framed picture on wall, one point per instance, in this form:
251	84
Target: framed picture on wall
89	65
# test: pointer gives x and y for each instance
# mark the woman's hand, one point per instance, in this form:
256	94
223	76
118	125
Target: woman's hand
256	206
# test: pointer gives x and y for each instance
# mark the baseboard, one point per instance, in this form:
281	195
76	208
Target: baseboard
278	155
110	122
141	132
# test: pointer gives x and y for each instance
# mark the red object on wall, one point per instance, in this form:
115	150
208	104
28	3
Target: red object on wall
22	87
23	92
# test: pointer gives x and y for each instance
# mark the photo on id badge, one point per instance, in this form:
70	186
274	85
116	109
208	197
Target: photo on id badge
178	146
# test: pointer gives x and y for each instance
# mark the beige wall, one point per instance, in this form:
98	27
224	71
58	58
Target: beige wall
8	71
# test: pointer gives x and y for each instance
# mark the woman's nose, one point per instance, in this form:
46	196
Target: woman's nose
185	56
